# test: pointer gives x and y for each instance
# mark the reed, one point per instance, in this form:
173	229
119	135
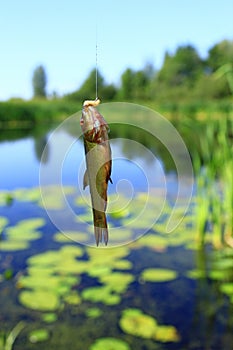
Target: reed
213	166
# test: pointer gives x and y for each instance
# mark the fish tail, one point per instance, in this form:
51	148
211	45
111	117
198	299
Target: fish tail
100	227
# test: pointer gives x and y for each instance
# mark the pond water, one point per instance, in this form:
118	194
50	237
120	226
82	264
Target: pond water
148	289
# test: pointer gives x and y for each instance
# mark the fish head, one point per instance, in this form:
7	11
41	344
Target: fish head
93	125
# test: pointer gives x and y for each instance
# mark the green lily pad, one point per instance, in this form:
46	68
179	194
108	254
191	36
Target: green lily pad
18	233
19	236
196	274
152	241
72	298
55	283
49	258
6	198
39	299
99	270
166	334
50	278
227	288
122	265
224	263
13	245
110	254
27	194
158	275
39	335
117	281
135	322
71	236
101	294
53	197
31	224
219	275
49	317
3	223
119	213
121	235
93	312
109	344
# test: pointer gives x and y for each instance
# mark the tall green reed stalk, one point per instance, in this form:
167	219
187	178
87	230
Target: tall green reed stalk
213	164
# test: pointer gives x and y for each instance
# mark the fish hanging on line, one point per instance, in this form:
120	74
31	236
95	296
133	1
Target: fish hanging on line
99	164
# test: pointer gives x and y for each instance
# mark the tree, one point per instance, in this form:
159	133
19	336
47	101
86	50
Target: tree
135	84
219	55
127	84
184	67
87	90
39	81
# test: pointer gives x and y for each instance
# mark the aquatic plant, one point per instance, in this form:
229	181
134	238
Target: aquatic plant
158	275
72	298
71	236
214	198
93	312
3	224
7	340
18	237
109	344
49	317
38	335
50	278
135	322
101	294
39	299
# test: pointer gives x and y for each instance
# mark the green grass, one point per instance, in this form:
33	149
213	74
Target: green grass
213	165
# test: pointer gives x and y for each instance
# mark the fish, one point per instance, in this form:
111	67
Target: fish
98	164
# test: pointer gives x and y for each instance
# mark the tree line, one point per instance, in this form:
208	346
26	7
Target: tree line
184	76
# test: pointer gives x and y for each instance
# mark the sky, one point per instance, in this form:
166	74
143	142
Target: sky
62	36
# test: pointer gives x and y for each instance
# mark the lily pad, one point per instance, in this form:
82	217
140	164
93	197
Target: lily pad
117	281
109	344
93	312
39	299
53	197
137	323
101	294
50	278
39	335
72	298
123	265
12	246
227	288
152	241
196	274
121	235
166	334
158	275
3	223
71	236
49	317
18	237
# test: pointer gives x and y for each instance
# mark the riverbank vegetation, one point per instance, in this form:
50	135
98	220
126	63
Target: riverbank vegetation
186	85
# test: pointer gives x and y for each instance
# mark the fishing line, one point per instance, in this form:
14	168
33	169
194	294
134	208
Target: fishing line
96	64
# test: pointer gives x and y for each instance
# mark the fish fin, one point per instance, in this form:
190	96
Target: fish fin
85	180
110	180
100	227
105	234
101	233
